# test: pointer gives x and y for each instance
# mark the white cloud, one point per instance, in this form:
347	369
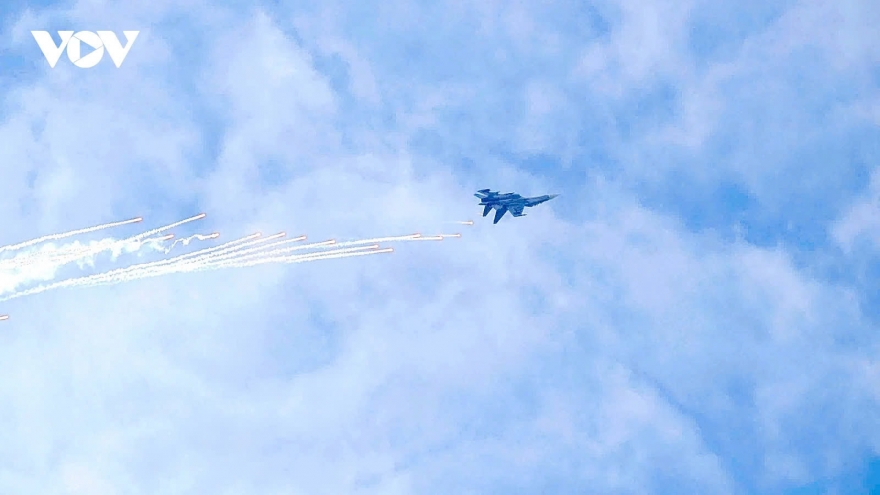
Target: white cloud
862	219
610	351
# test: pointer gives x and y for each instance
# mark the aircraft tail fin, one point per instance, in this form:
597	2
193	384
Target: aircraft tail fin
487	209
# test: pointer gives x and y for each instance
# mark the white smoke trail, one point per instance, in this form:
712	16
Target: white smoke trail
168	227
142	271
64	235
226	256
35	267
4	317
123	274
334	254
234	253
235	247
261	252
172	265
264	252
248	240
60	256
199	259
187	240
44	262
381	239
210	259
241	263
339	249
74	252
203	260
328	256
247	251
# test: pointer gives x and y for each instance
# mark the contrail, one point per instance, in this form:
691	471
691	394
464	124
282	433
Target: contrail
4	317
466	222
55	237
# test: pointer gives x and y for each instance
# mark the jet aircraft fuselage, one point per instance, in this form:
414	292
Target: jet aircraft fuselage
504	202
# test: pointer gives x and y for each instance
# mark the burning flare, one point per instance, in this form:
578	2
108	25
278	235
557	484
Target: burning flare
33	264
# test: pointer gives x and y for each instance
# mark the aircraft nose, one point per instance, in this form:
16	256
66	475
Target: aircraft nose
552	195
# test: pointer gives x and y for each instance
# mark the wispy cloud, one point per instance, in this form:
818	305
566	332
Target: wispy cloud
692	314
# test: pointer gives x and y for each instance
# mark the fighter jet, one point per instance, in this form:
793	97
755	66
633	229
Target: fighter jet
513	202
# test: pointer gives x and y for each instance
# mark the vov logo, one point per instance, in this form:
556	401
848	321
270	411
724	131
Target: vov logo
74	41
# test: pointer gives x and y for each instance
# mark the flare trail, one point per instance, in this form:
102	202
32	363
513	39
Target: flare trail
34	263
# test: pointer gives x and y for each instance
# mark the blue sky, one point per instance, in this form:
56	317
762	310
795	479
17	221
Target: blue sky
698	312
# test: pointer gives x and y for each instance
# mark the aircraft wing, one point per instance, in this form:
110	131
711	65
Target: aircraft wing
484	193
517	209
